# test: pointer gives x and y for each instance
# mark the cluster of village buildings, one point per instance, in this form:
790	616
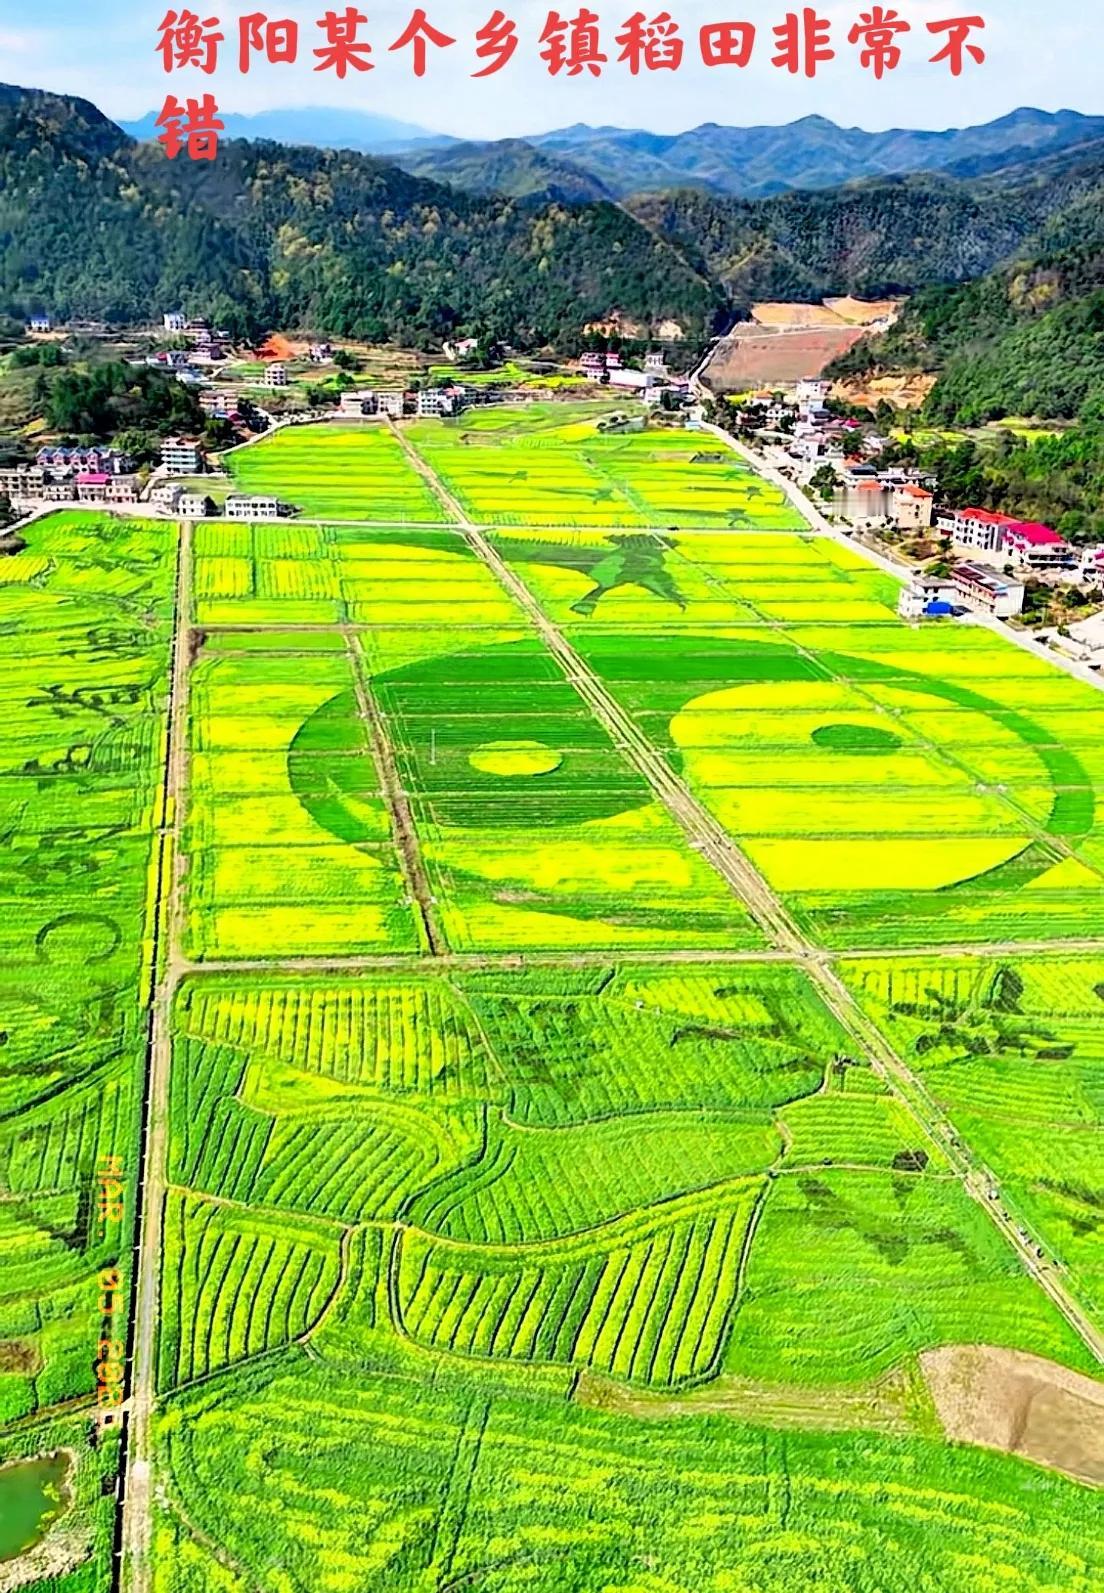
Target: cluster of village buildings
797	430
1003	549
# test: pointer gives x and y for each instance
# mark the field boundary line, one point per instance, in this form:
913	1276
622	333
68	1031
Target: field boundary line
130	1561
403	828
509	962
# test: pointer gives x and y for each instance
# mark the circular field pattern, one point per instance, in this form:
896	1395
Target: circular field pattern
855	738
582	779
514	758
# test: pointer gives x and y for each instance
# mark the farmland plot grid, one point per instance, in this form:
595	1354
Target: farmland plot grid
607	1168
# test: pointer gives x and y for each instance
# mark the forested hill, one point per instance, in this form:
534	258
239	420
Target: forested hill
881	236
1026	338
95	225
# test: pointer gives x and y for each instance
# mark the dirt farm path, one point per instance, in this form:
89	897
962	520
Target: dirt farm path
131	1568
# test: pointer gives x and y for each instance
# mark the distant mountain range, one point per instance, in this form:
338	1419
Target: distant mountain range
580	163
320	126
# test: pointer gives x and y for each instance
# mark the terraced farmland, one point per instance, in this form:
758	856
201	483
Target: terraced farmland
611	1128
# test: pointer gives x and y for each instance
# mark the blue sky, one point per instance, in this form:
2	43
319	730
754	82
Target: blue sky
1043	54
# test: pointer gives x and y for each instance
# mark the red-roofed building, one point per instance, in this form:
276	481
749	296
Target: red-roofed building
976	528
96	486
1039	547
913	507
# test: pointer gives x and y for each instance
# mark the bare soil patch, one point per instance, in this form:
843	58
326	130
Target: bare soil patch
1021	1404
863	312
16	1356
756	356
795	316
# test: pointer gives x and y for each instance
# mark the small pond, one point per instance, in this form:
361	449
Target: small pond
32	1495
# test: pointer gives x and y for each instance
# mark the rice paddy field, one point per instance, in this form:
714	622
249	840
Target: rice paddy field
85	630
551	465
622	1018
336	472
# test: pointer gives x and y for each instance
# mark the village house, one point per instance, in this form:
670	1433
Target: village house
252	506
912	507
320	353
391	401
59	461
276	375
628	380
183	456
194	506
983	589
435	401
1092	564
927	597
175	321
975	528
219	404
655	360
354	406
165	495
97	486
1037	547
38	323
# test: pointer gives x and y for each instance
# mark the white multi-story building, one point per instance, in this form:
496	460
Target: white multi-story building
981	588
812	391
356	405
175	321
1092	563
183	456
975	528
38	323
193	506
276	375
252	506
391	401
165	495
435	401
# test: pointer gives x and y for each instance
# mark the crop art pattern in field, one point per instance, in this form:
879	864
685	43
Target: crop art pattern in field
288	841
533	828
85	633
453	1213
893	785
573	465
337	473
1013	1049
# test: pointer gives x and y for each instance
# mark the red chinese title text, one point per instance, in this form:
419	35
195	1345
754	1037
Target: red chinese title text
581	45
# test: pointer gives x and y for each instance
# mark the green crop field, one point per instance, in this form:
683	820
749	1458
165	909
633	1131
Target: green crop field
551	464
1013	1049
337	472
599	1027
782	687
85	627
